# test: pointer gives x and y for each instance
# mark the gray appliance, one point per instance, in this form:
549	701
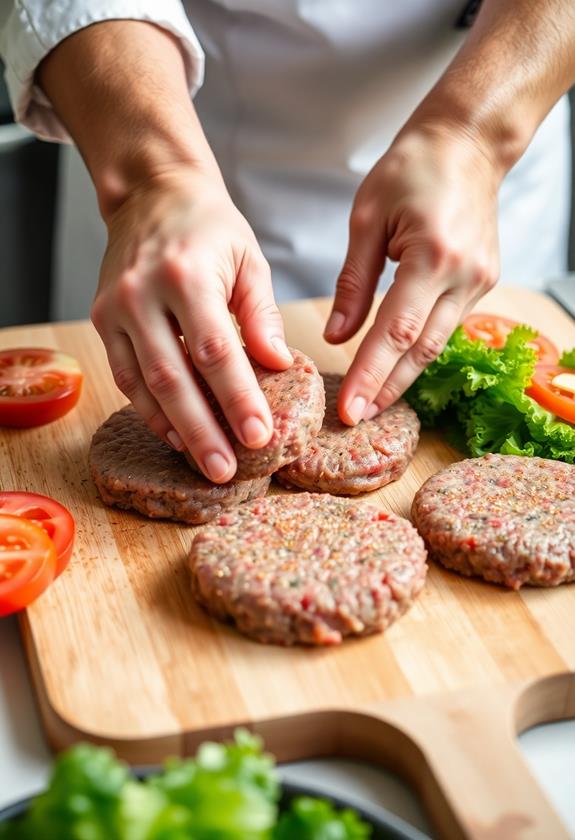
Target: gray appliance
28	189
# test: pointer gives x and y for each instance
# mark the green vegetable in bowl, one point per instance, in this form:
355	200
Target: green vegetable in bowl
227	792
316	819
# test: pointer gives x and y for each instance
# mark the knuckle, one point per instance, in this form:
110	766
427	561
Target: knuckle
127	291
438	252
163	378
195	437
98	314
175	271
372	378
483	278
402	333
237	398
362	218
128	381
389	393
491	276
427	349
211	352
349	284
265	310
454	260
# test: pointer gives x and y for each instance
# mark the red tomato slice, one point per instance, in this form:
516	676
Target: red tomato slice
27	563
494	329
37	386
50	515
558	401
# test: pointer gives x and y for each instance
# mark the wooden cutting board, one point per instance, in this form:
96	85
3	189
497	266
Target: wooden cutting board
120	654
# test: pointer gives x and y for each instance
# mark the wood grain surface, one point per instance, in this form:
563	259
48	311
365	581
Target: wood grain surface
120	653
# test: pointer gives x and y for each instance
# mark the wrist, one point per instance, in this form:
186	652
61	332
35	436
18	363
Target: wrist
499	134
156	152
120	88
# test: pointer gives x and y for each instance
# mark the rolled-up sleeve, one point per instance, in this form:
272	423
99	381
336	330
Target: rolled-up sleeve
31	28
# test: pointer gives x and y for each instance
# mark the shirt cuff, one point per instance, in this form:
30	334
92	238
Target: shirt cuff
35	27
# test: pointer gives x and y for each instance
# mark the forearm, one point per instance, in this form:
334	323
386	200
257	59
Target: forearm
120	89
517	61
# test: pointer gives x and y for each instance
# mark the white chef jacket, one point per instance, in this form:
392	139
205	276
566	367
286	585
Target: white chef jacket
298	99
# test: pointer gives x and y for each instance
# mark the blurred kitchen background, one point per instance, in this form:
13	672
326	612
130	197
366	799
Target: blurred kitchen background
51	235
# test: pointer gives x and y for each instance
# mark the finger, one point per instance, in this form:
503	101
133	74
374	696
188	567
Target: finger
398	324
169	378
259	319
127	376
358	278
442	320
217	353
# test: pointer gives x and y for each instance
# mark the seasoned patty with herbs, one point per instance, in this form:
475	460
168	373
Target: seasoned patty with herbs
297	403
133	469
505	518
354	459
307	568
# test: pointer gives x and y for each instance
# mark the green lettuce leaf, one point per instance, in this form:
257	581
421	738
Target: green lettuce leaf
478	394
568	359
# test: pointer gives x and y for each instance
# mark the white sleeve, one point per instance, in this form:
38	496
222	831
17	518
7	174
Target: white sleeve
31	28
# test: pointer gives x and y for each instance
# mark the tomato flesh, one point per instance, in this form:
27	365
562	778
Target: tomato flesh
37	386
556	400
494	329
48	514
27	563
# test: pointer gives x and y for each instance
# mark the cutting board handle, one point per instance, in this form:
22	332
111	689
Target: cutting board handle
460	753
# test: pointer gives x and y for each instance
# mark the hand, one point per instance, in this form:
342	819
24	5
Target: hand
180	259
430	204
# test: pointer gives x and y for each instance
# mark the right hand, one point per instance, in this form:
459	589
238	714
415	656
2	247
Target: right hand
180	259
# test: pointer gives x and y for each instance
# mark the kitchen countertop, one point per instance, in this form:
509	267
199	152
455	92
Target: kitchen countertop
25	759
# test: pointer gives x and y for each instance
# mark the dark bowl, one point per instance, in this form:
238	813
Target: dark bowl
386	826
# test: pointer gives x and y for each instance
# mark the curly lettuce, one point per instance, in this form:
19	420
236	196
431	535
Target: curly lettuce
477	394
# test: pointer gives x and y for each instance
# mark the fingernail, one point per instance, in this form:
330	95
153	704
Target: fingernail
254	432
371	411
335	323
175	440
216	465
281	347
356	409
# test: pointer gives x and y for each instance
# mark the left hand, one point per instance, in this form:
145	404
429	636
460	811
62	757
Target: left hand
430	203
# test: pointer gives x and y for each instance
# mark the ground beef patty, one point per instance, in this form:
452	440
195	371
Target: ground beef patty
134	469
505	518
297	402
307	568
354	459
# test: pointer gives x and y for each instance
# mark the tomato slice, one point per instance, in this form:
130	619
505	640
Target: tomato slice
50	515
27	563
494	329
37	386
559	401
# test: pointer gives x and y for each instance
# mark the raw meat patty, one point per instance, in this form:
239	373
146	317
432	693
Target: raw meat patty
307	568
505	518
355	459
297	402
134	469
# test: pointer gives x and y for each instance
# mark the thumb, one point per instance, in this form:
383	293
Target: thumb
258	316
359	276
